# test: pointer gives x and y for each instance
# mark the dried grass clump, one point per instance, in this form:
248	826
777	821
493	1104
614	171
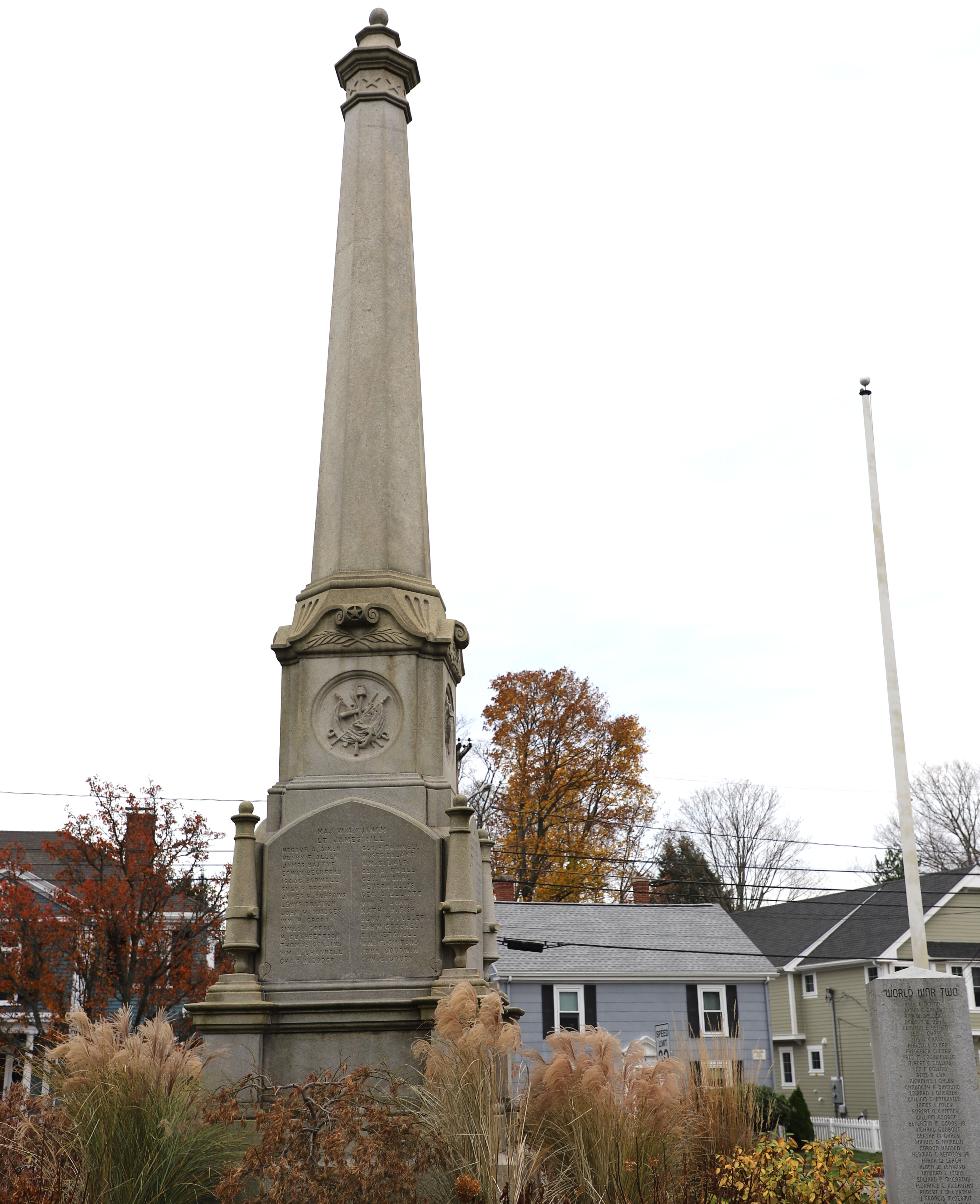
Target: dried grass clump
465	1107
138	1113
632	1133
338	1138
38	1160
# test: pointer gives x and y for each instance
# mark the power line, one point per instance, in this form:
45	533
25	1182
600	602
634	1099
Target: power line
163	798
575	855
850	956
872	900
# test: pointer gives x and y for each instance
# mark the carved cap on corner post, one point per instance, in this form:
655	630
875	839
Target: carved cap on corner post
377	69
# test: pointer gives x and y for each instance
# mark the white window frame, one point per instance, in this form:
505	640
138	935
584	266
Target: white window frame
867	973
781	1050
5	950
810	1051
809	994
727	1069
714	1032
579	989
966	971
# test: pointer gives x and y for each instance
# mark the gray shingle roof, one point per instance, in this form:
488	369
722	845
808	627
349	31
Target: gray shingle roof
32	844
690	941
783	931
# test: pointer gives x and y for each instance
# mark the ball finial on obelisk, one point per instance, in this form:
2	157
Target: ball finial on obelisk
865	391
378	17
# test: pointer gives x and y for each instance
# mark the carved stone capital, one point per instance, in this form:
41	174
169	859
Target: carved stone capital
377	72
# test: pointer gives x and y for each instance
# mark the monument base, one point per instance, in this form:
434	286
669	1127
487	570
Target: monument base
286	1043
926	1084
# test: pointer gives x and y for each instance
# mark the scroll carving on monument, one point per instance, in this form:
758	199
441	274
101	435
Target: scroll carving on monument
449	724
357	715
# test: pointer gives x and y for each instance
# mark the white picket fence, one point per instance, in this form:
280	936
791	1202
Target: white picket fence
864	1134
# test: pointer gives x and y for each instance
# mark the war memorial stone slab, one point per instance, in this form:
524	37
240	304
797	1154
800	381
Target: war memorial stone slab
926	1084
352	894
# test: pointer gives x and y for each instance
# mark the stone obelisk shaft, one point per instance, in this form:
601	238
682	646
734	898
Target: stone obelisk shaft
371	519
358	902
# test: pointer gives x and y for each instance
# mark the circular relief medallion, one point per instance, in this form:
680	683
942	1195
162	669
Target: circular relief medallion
357	715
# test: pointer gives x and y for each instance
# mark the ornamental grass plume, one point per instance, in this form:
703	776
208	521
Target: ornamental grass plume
139	1114
626	1132
464	1104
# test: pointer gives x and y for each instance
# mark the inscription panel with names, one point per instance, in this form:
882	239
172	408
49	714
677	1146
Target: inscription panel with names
351	894
926	1083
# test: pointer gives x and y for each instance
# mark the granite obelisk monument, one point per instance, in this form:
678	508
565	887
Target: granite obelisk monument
921	1035
363	895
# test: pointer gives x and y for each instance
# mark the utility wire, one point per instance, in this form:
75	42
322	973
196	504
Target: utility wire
846	904
829	844
836	956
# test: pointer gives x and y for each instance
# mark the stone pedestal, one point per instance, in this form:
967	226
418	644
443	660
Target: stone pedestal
926	1083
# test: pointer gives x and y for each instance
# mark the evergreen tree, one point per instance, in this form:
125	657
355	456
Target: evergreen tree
797	1121
684	875
889	867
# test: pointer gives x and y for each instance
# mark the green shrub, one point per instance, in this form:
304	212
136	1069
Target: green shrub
822	1172
771	1108
797	1119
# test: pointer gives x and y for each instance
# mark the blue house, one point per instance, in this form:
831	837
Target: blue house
664	975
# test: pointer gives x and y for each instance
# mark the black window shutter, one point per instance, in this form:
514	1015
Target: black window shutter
590	1012
740	1071
693	1017
731	999
548	1008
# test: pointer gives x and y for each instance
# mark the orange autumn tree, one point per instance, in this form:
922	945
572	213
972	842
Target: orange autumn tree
35	954
142	912
131	918
564	796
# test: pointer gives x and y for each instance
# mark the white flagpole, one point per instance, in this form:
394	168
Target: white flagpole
910	860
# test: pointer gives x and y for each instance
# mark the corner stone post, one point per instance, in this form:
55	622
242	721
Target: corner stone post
242	915
459	911
490	925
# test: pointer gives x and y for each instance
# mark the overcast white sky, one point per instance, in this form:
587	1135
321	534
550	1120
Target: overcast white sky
656	246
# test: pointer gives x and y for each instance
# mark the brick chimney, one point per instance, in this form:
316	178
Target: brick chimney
641	890
141	825
505	889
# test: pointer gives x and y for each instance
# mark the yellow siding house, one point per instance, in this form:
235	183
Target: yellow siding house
827	949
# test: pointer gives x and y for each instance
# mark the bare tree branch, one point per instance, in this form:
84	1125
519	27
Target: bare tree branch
747	843
946	802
